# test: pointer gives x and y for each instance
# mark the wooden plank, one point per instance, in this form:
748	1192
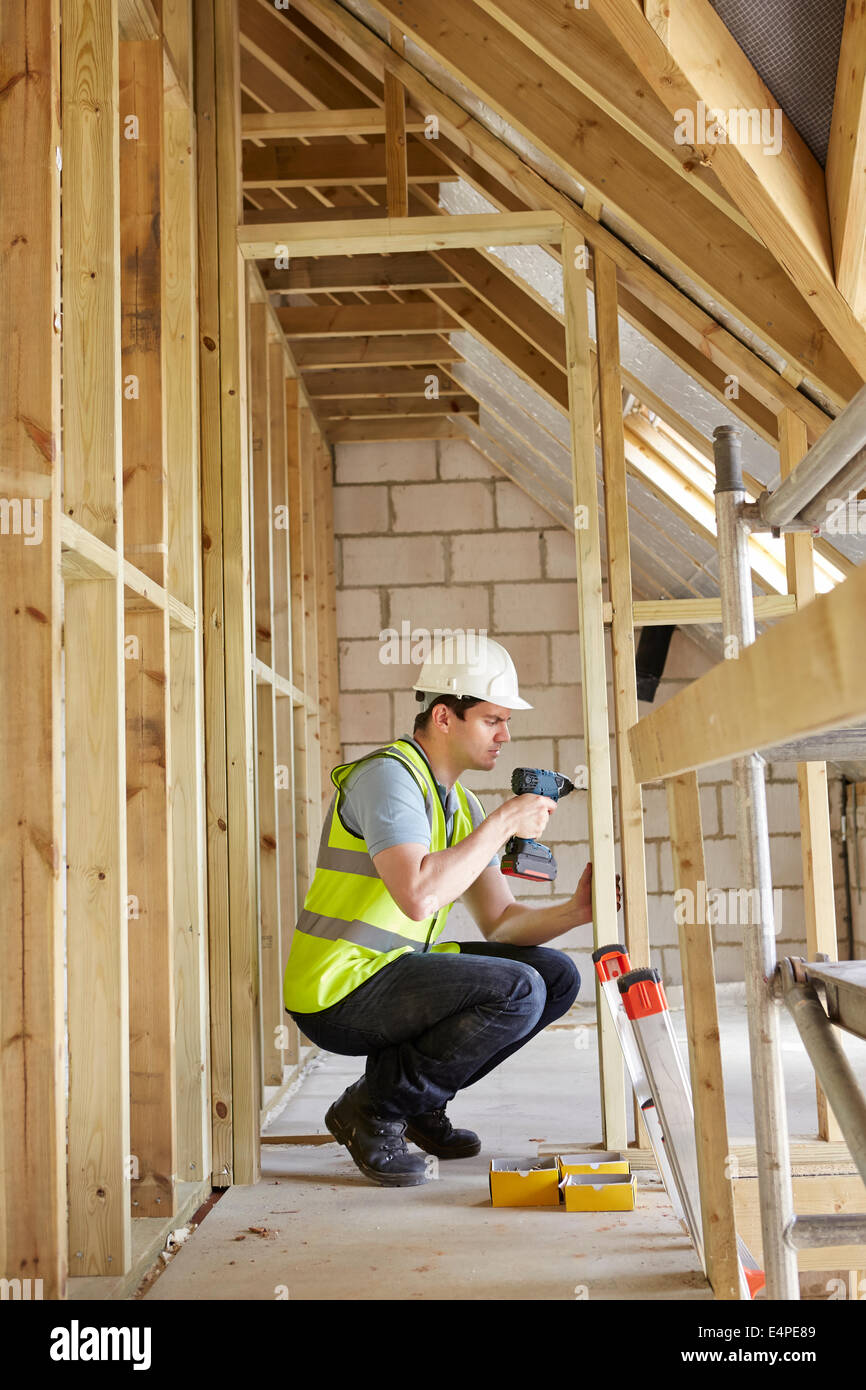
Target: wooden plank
309	526
592	664
33	1218
398	234
331	274
404	381
245	1045
296	125
357	431
818	897
395	138
290	166
806	674
301	791
364	320
180	387
282	658
813	1196
216	806
153	1116
684	611
138	20
846	157
260	469
269	889
705	1053
360	407
391	350
629	805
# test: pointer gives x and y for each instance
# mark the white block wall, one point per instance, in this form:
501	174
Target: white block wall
431	533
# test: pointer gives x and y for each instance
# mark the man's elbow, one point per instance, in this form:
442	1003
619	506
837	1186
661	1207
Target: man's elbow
418	906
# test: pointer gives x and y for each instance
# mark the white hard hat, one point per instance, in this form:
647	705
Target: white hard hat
487	674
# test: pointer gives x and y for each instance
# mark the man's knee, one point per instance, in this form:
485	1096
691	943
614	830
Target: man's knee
527	990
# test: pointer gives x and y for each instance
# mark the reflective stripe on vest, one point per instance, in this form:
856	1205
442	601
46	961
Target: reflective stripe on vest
350	926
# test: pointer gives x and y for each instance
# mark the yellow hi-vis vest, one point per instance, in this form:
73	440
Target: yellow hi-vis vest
350	926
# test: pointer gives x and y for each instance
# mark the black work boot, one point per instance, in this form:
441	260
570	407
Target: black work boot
434	1134
376	1144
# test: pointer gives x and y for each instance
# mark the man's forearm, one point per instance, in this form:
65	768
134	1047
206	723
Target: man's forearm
444	875
533	926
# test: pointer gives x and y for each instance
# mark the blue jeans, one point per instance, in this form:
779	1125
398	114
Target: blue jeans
432	1023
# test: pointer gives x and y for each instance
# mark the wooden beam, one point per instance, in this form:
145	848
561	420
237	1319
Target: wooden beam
705	1053
398	234
684	611
364	320
332	274
355	407
283	166
395	138
33	1217
410	427
819	900
846	160
390	350
376	385
153	1110
301	789
592	664
629	806
806	674
180	337
696	65
298	125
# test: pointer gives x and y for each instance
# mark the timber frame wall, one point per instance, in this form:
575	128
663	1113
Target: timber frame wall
168	657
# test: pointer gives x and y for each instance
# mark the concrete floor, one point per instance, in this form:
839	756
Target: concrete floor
332	1235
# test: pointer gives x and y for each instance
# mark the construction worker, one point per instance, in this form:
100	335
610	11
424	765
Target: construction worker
401	840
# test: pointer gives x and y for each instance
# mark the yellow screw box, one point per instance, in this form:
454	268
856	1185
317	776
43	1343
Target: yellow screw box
524	1182
599	1191
593	1161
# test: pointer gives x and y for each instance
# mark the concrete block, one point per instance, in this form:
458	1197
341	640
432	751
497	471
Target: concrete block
524	752
406	461
669	964
365	718
729	963
544	607
783	807
529	652
514	510
359	612
565	656
560	556
571	754
352	751
360	510
570	820
786	861
388	559
651	858
459	459
405	708
790	915
442	507
361	667
663	929
555	711
710	823
666	866
485	556
446	607
655	812
722	862
571	860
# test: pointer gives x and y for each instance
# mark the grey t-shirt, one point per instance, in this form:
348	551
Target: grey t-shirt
383	803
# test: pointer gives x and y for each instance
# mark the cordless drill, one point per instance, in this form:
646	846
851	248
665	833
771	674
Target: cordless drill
529	858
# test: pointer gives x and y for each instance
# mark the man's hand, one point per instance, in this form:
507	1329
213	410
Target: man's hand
582	900
526	816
